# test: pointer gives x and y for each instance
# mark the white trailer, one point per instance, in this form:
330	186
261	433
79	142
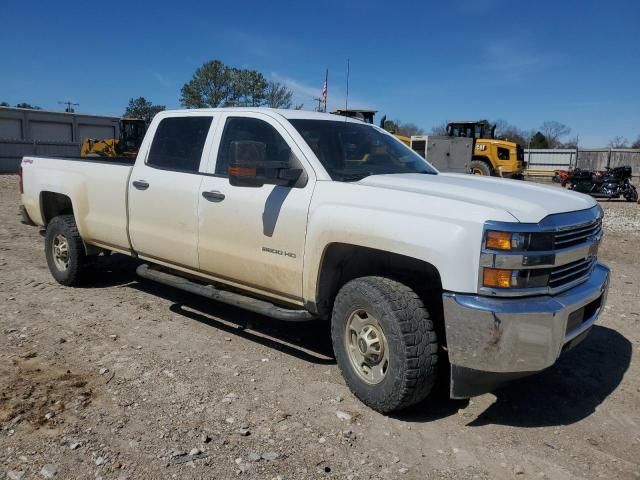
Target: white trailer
447	154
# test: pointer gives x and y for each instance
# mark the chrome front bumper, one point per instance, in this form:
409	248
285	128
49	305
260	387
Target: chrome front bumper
491	339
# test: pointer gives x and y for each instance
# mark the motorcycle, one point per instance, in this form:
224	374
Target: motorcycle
561	177
612	183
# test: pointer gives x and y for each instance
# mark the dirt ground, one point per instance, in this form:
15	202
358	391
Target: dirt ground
129	379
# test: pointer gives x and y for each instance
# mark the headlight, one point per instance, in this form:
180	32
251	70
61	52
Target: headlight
498	240
500	278
516	241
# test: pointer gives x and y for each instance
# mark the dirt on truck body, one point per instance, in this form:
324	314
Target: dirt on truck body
127	378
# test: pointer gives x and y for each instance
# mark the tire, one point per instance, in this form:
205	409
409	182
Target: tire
633	194
62	235
478	167
410	343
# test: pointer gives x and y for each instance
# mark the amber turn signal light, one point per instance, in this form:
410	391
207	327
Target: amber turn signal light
498	240
242	171
496	278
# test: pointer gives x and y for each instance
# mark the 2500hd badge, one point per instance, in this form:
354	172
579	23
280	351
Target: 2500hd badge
279	252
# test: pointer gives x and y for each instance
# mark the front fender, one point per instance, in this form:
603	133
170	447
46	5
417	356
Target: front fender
447	234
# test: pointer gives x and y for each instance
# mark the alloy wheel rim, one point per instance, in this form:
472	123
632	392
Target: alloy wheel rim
60	250
367	347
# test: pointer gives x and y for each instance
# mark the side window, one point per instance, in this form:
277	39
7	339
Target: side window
240	128
178	143
503	153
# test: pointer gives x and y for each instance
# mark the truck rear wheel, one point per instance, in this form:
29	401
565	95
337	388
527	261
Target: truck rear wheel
384	342
64	250
478	167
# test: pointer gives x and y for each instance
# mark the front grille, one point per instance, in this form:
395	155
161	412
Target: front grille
570	272
576	235
559	255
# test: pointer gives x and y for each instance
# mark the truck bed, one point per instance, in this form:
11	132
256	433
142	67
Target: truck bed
95	186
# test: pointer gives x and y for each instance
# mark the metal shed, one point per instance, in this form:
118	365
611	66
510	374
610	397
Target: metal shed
40	132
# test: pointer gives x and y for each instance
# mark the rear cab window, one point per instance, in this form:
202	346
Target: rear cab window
178	143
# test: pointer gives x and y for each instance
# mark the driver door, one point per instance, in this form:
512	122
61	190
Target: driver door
254	236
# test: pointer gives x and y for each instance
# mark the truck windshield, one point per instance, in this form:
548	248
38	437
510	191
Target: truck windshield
351	151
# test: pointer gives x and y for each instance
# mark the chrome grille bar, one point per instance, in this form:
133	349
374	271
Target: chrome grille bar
562	275
575	236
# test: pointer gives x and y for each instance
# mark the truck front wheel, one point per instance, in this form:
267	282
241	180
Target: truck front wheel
384	342
64	250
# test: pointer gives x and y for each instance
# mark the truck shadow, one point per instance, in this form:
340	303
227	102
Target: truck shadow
567	392
308	341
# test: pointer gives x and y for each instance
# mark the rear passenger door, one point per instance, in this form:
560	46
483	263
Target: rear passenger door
164	190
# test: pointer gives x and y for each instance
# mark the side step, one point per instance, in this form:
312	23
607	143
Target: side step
248	303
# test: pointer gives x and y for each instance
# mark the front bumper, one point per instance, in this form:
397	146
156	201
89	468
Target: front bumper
490	340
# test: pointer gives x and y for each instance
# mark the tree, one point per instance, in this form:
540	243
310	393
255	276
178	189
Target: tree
278	96
571	143
209	87
215	84
440	129
247	88
27	105
512	133
552	131
142	108
618	142
408	129
636	144
4	104
539	141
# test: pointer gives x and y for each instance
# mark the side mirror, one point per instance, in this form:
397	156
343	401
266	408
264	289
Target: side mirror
249	167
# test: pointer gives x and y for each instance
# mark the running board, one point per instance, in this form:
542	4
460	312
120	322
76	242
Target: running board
248	303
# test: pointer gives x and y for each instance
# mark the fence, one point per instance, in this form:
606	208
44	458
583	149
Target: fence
544	161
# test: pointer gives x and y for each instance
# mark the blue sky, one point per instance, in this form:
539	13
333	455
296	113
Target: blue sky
577	62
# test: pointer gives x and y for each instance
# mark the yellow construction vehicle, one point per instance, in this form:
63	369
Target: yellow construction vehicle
132	132
491	155
367	117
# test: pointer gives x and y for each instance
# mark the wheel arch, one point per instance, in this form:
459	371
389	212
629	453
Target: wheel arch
53	204
342	262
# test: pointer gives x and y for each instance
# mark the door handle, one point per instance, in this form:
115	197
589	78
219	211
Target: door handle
140	184
213	196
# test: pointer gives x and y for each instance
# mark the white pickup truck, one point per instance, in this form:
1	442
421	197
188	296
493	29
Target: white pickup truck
303	216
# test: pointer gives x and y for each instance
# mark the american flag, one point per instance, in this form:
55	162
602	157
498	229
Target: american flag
324	93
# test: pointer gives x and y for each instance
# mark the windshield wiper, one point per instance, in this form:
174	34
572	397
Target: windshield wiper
354	177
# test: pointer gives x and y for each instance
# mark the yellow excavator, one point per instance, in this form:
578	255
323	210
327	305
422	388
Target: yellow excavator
128	143
491	155
367	117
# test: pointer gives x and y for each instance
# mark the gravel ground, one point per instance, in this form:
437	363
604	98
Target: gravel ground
128	379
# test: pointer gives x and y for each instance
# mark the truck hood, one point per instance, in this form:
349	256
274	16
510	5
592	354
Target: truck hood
527	202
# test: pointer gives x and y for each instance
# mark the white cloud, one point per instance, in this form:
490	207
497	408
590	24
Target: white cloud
164	81
308	95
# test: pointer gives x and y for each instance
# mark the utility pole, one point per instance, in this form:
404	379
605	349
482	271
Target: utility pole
319	100
69	105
